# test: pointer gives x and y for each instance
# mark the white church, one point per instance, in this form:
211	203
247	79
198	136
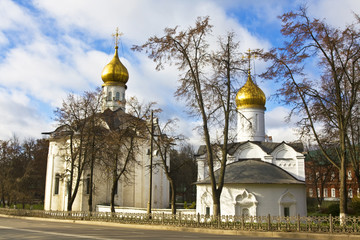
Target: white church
132	191
261	177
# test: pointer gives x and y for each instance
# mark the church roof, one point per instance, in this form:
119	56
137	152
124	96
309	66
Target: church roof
114	120
252	171
267	147
117	119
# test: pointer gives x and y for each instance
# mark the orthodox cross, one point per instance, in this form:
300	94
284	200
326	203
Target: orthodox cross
249	57
117	36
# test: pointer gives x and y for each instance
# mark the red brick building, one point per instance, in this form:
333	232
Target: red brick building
323	180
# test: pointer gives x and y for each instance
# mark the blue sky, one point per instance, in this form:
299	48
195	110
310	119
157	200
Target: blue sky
51	48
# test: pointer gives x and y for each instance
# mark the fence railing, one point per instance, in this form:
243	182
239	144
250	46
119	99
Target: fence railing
327	224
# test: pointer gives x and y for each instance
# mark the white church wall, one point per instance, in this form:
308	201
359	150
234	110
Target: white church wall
132	193
288	159
265	199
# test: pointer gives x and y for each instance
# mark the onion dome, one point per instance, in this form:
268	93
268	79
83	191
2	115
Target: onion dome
250	96
115	73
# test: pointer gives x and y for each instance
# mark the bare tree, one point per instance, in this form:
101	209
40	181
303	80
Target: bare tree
122	143
326	103
206	83
76	116
184	171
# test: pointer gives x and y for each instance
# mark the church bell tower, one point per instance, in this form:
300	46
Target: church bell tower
250	103
115	77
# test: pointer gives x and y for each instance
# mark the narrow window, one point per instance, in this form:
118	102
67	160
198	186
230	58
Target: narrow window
333	193
87	184
332	176
350	193
325	192
318	192
286	211
349	175
310	192
117	97
207	211
109	96
256	122
123	96
57	184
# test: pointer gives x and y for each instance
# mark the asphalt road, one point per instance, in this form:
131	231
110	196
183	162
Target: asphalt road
14	228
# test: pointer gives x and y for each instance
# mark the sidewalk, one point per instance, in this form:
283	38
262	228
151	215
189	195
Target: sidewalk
294	235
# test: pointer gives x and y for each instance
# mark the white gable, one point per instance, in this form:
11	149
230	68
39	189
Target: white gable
250	150
285	157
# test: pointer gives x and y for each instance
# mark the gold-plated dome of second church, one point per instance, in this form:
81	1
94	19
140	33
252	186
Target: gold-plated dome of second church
115	73
250	96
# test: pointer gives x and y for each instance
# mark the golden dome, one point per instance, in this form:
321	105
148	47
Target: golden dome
115	73
250	96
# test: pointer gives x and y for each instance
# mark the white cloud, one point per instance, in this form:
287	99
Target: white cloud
277	127
58	49
335	13
19	117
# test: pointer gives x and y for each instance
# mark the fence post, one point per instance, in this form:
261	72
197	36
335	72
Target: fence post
162	218
198	219
269	222
331	223
219	221
179	218
298	222
242	222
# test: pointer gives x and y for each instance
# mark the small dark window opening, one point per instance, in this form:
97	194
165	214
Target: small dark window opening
207	211
87	185
117	96
286	212
109	96
57	184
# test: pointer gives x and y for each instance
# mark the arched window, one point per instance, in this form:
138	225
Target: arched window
117	96
287	204
109	96
245	204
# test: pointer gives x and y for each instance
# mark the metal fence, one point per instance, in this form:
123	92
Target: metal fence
325	224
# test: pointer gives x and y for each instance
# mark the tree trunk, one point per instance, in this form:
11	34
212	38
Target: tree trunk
216	204
90	202
114	185
173	194
343	198
113	189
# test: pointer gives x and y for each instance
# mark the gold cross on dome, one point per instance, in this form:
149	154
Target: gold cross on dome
117	36
249	57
